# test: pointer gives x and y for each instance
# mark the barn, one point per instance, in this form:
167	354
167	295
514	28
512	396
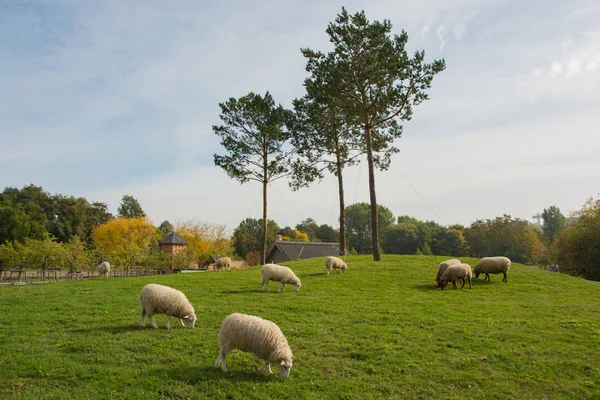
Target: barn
283	250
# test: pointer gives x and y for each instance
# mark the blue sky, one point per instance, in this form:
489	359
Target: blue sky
105	98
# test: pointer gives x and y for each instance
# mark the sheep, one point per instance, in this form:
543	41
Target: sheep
258	336
104	269
455	272
222	263
335	263
492	265
161	299
278	273
442	267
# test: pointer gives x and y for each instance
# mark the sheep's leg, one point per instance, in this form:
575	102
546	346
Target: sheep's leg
182	324
263	286
152	321
281	287
470	286
168	322
505	277
223	364
463	283
142	314
487	277
221	360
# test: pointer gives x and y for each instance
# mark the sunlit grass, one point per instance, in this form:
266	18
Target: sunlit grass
380	330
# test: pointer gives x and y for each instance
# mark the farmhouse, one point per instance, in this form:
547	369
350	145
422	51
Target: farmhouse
283	251
172	244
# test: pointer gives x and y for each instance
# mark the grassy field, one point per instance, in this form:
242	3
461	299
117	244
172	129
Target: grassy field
381	330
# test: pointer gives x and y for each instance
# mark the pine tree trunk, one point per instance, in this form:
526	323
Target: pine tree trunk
374	219
263	253
343	249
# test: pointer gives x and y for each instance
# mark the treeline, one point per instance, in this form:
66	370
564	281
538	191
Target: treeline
43	231
40	230
520	240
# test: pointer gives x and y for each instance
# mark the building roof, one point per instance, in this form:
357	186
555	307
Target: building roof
173	238
302	250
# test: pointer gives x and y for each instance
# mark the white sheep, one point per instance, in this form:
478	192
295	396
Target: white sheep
456	272
278	273
442	267
222	263
159	299
104	269
258	336
492	265
335	263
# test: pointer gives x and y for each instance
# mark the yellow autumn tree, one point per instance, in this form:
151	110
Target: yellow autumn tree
300	236
125	242
204	239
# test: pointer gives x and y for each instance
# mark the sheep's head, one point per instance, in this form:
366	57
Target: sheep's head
284	367
297	286
442	284
476	273
190	320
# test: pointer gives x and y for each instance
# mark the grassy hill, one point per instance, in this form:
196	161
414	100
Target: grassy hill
381	330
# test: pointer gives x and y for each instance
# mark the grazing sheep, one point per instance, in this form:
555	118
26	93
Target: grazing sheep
104	269
492	265
278	273
442	267
455	272
335	263
161	299
222	263
258	336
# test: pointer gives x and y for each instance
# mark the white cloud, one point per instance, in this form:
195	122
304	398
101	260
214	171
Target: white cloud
573	68
121	97
440	36
555	69
424	31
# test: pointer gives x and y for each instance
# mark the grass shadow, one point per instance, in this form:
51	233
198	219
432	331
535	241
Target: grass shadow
426	287
113	329
240	291
199	374
313	274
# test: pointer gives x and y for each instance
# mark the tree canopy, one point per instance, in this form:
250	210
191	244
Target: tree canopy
254	134
377	83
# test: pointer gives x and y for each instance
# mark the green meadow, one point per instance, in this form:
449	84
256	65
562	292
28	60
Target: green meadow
381	330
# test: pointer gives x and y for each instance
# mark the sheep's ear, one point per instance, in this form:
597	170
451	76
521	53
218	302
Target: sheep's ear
282	362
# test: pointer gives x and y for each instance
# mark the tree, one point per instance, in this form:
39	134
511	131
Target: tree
125	241
402	238
309	227
246	236
324	140
130	208
19	222
450	242
76	256
166	228
359	234
554	222
327	233
204	239
300	236
576	247
506	236
378	84
254	136
44	254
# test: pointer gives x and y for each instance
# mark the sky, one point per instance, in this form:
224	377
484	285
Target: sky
113	97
